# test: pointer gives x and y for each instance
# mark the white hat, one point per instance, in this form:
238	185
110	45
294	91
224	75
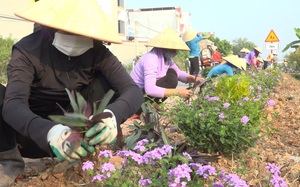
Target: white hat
81	17
168	39
189	35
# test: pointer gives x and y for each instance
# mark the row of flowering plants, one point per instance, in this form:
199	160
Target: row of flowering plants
226	116
224	119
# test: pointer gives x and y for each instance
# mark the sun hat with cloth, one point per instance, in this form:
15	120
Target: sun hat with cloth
80	17
236	61
168	39
189	35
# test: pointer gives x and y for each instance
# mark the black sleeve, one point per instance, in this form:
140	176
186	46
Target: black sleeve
16	111
130	97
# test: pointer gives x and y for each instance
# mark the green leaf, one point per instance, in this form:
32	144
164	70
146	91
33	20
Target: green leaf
104	102
131	140
69	121
73	101
76	115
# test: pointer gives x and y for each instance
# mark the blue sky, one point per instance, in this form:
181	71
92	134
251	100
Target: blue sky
233	19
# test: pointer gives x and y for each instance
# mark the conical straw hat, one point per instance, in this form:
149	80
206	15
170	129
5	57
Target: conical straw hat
258	49
82	17
245	50
236	61
168	39
189	35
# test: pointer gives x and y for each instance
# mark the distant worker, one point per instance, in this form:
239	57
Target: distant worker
191	38
233	64
206	51
251	57
243	52
275	60
216	57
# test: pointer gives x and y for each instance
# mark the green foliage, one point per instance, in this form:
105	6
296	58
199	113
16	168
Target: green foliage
293	44
5	54
232	89
180	59
205	71
240	43
294	60
224	47
226	116
128	67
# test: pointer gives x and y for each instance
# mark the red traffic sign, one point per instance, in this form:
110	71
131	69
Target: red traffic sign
272	37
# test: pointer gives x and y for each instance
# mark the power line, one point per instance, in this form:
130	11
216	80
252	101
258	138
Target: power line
11	18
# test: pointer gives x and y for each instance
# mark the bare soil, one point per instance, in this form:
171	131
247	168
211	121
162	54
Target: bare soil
280	146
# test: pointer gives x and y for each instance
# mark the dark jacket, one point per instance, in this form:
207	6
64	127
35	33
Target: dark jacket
37	77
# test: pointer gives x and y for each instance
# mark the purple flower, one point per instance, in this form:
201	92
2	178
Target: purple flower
206	171
145	182
221	116
234	180
259	87
277	181
98	177
105	153
180	172
217	184
246	99
273	168
187	155
226	105
271	103
213	99
107	168
244	119
87	165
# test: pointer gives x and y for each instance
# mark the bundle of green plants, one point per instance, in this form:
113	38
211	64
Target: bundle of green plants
226	116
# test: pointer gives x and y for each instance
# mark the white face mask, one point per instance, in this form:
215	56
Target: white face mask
72	45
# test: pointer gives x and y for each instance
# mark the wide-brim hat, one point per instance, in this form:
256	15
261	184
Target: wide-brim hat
236	61
189	35
258	49
245	50
81	17
168	39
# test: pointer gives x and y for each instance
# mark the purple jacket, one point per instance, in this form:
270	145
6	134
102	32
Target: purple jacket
150	68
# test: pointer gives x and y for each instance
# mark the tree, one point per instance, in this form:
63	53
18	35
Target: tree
224	46
294	44
240	43
5	54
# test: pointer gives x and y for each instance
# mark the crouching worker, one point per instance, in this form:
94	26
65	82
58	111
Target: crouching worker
156	73
232	65
67	52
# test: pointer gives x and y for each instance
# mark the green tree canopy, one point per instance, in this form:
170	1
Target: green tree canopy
240	43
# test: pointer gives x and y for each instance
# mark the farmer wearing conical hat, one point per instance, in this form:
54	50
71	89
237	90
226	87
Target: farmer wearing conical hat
67	52
192	38
233	64
251	57
156	73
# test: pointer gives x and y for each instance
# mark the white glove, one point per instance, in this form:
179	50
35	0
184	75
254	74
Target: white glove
67	144
103	132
